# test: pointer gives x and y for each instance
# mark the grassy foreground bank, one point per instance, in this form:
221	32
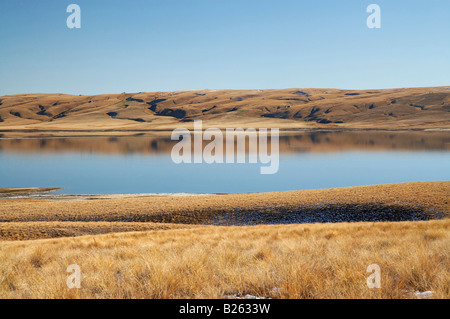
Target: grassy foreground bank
160	247
272	261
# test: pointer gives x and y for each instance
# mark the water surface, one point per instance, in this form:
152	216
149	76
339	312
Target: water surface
142	164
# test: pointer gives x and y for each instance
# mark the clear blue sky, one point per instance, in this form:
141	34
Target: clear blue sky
163	45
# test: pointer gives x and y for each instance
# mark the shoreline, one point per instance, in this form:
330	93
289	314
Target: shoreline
139	132
67	197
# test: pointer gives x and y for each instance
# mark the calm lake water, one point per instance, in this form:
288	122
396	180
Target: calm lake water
142	164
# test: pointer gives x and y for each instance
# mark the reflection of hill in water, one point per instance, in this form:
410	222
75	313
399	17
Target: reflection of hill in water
320	141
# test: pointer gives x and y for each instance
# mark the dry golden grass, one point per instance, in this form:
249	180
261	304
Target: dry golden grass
23	219
41	230
302	261
285	109
429	197
193	261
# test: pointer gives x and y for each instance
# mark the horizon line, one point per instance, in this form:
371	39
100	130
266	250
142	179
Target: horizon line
225	89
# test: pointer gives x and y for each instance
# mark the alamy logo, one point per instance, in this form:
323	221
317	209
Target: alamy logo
74	279
374	279
213	152
74	20
374	20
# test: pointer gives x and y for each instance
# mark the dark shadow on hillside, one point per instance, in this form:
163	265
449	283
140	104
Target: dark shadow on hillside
323	213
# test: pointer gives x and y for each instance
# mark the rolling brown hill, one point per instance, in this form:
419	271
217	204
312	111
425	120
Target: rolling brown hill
402	108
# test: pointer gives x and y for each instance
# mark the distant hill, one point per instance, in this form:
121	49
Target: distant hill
287	109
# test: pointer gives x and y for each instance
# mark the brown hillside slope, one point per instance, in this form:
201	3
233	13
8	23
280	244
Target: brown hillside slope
285	109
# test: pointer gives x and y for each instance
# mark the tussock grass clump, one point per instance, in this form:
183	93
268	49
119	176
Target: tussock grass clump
38	257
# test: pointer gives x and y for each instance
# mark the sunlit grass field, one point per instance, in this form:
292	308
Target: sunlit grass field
271	261
122	256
